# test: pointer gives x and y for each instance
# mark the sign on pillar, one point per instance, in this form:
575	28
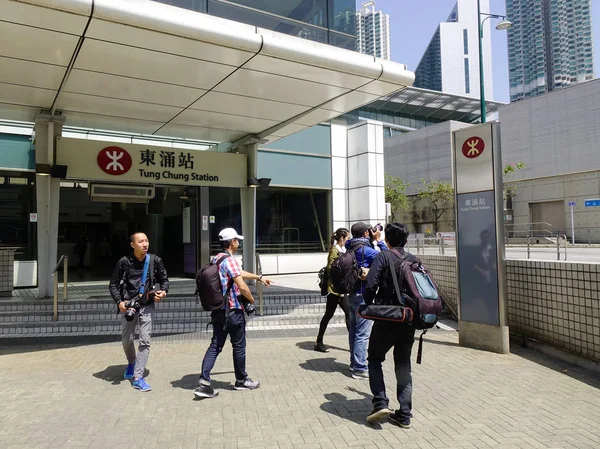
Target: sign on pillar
483	321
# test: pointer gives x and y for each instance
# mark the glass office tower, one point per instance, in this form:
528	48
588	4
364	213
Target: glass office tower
327	21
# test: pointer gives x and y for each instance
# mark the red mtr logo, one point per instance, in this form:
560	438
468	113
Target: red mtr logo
114	161
473	147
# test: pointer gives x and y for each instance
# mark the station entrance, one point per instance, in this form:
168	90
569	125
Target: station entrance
95	234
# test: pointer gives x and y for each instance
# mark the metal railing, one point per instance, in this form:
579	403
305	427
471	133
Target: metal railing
64	261
259	285
539	229
428	242
558	239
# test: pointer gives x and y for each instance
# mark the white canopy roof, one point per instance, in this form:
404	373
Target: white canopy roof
145	67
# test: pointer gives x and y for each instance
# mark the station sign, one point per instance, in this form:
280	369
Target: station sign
104	161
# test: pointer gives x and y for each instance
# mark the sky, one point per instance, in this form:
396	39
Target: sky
413	23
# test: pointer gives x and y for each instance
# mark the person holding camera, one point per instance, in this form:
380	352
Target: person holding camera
375	236
360	328
230	320
132	288
387	335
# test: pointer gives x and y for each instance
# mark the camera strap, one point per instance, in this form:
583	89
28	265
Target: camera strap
144	276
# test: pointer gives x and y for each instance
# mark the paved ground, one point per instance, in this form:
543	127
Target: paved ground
73	397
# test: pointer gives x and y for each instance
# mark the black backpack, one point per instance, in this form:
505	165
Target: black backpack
208	286
345	271
324	281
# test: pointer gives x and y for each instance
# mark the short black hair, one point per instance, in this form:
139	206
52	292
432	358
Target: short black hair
132	236
396	234
225	244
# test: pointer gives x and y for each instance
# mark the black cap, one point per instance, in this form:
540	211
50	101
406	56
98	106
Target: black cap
359	229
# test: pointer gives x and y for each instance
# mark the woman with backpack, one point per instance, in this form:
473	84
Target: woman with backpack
338	246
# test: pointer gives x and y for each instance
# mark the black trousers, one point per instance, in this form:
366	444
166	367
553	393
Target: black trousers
385	336
332	302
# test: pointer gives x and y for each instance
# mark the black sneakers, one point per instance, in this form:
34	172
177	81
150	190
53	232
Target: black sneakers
400	422
205	391
247	384
320	347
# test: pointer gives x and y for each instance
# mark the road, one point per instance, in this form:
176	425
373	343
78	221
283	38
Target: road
578	254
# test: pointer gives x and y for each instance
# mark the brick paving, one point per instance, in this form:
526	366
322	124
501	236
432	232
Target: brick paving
67	396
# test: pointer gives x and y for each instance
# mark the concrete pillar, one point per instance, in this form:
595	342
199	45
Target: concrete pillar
248	206
366	178
339	176
46	129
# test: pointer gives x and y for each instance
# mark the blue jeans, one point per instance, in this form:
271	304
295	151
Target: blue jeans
235	327
358	335
386	336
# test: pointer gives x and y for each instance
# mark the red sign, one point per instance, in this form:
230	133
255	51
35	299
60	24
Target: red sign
114	161
473	147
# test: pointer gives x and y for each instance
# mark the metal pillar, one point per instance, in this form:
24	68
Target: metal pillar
248	205
47	128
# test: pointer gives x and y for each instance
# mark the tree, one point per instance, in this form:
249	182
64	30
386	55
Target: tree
395	194
441	195
509	187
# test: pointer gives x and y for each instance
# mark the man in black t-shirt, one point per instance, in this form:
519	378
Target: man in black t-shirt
125	285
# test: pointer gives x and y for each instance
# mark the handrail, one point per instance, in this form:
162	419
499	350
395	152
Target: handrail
259	285
64	261
564	237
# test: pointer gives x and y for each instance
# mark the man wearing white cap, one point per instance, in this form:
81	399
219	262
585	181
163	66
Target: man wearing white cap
230	320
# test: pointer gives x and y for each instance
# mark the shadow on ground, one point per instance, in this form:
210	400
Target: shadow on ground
190	382
310	346
576	372
354	410
114	374
326	365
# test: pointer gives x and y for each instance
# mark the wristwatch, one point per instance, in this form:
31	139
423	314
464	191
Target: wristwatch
260	277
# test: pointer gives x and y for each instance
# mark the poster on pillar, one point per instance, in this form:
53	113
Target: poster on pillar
479	238
112	162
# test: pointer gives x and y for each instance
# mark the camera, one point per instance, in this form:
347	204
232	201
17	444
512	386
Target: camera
248	306
377	228
133	306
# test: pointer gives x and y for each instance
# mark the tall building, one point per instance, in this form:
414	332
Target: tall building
451	61
327	21
373	31
549	47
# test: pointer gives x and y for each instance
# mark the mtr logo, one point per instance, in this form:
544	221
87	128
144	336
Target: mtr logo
114	161
473	147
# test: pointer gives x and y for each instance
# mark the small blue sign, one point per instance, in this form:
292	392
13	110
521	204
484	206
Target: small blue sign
572	203
592	203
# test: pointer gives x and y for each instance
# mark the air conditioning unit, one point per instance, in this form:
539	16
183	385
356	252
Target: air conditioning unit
115	193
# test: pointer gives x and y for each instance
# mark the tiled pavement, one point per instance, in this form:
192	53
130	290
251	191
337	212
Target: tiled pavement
74	397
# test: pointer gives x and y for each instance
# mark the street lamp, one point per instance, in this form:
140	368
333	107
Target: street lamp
503	25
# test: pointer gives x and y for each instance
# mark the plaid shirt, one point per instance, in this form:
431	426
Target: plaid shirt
229	269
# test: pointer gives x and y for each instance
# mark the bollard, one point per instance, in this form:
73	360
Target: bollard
528	247
65	279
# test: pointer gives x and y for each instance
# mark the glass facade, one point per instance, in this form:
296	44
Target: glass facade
428	74
287	220
17	201
327	21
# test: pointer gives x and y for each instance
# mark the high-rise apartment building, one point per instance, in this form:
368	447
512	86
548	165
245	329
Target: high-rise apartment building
549	47
450	63
373	31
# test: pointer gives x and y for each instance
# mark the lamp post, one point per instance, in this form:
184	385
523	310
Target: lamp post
503	25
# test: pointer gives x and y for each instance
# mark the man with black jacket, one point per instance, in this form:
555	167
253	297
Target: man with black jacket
126	285
385	335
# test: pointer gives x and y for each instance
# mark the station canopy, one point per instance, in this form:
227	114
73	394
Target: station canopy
144	67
